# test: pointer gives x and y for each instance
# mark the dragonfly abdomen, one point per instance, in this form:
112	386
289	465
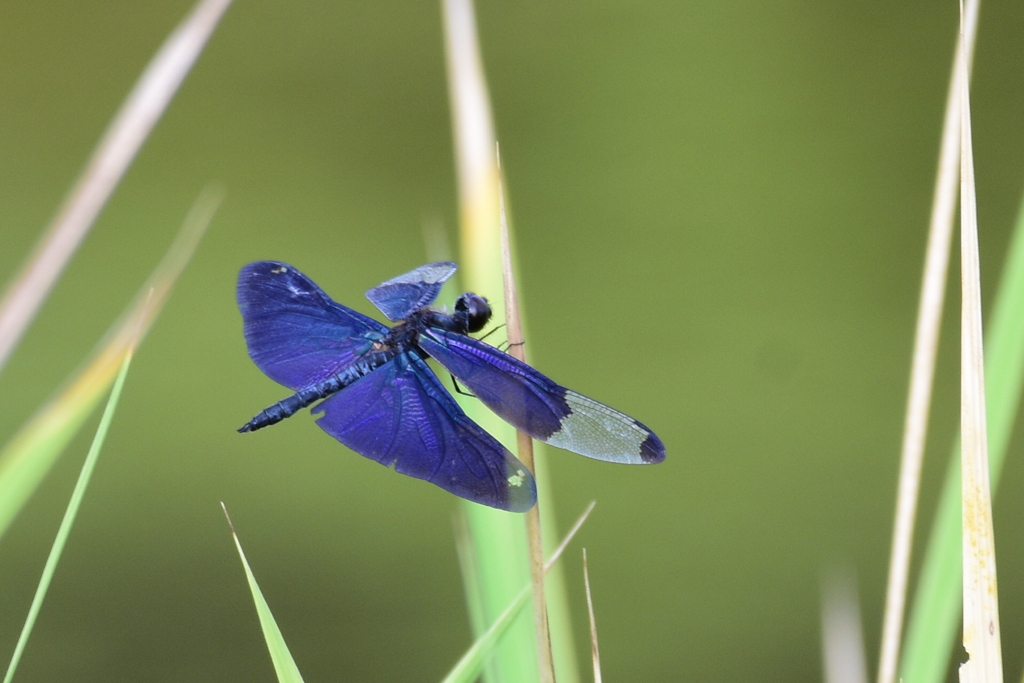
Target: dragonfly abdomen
287	407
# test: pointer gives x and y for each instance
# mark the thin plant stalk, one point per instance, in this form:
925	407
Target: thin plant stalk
69	515
926	341
595	653
110	160
498	538
517	349
981	604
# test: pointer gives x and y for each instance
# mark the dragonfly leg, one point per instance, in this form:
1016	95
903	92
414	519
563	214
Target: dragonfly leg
459	389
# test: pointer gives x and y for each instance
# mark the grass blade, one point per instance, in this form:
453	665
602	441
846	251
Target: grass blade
113	155
926	341
936	605
284	665
467	555
595	653
517	349
25	459
472	663
69	515
981	603
499	540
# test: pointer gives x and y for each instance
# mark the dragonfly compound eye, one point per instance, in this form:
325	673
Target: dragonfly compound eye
474	309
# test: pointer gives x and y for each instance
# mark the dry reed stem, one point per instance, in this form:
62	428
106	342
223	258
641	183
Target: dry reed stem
926	341
981	604
113	155
517	349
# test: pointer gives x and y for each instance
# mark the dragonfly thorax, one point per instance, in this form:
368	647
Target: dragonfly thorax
472	312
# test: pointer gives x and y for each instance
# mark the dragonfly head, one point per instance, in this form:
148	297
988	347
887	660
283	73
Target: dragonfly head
472	311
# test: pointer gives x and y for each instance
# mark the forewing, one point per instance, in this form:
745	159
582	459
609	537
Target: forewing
548	412
400	296
296	334
401	414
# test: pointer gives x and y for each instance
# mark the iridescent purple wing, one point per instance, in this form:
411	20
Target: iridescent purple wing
296	334
401	414
531	402
400	296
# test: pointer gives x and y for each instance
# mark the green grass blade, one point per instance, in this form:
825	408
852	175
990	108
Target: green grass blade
498	538
936	607
25	459
69	515
470	572
501	555
284	665
472	663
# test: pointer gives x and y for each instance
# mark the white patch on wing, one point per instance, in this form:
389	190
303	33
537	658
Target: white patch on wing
517	479
597	431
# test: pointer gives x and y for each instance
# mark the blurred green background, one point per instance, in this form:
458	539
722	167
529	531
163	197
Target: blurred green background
720	213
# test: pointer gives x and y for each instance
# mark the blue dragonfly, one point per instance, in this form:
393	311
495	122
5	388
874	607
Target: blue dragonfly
382	400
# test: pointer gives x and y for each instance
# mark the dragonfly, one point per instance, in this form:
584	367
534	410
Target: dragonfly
378	396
